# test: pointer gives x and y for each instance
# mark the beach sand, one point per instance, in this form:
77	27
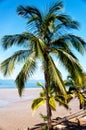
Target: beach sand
16	113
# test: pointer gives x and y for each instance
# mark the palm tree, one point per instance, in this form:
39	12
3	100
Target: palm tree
53	98
75	90
46	38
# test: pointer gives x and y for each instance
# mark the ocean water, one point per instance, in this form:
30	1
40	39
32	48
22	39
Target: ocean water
10	84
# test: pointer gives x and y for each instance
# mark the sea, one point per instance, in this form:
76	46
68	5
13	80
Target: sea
10	84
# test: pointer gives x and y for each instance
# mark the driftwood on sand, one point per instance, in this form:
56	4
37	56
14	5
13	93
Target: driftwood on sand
59	120
79	114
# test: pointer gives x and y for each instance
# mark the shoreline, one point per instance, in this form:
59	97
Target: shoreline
11	95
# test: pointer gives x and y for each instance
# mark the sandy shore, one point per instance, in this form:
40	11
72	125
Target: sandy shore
16	113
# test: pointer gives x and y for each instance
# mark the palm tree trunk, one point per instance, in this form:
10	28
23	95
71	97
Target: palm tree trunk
48	111
47	84
49	114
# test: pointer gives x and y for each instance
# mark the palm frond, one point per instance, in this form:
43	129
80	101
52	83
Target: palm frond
47	26
69	82
60	42
19	39
39	84
7	66
81	98
55	76
36	23
52	103
72	65
67	21
62	100
78	43
37	103
26	71
69	96
56	7
39	47
68	41
32	19
42	94
29	11
44	117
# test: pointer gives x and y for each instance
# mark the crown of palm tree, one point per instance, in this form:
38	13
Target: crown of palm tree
46	35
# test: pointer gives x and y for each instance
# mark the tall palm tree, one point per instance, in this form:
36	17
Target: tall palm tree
46	38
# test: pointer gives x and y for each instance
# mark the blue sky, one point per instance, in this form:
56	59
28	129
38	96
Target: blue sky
11	23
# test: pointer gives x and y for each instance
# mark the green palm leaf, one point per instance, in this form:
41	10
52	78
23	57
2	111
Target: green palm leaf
67	21
39	84
26	71
75	91
56	76
48	26
52	103
81	98
61	43
34	16
19	39
29	11
69	97
37	103
7	65
62	100
71	64
78	43
56	7
25	39
39	47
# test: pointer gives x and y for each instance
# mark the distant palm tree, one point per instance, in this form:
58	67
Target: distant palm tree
45	38
75	90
